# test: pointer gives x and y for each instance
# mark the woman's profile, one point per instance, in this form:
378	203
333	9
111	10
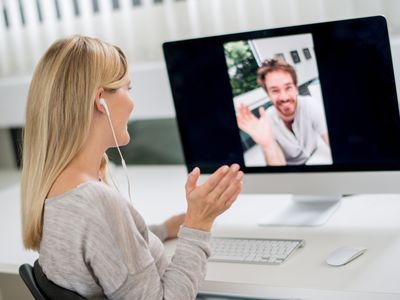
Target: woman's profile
90	238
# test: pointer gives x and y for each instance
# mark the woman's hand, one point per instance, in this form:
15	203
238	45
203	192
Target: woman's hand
173	224
209	200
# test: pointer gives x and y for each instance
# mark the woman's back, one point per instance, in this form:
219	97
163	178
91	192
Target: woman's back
92	239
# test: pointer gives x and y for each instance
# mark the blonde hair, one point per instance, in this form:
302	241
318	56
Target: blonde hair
59	112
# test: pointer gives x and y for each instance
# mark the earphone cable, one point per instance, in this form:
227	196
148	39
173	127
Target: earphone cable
122	160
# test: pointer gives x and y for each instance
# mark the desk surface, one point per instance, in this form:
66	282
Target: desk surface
158	192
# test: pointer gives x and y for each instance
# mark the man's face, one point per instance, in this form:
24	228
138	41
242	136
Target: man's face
283	93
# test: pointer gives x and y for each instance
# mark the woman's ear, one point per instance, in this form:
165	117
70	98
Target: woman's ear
97	105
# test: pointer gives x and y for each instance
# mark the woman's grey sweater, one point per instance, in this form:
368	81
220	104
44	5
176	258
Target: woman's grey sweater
96	243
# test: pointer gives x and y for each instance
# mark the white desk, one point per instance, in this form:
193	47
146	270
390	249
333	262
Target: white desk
158	192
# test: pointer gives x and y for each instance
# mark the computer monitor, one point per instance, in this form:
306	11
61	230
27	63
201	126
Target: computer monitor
305	110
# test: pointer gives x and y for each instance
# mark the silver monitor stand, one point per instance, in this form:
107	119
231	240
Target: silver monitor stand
303	210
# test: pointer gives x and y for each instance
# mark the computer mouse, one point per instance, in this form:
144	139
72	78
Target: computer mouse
344	255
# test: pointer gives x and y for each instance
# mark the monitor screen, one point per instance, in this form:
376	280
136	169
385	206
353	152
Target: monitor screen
310	98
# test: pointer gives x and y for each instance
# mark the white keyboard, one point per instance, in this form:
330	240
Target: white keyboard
252	251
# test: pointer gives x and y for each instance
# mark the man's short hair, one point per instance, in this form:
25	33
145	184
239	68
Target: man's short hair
272	65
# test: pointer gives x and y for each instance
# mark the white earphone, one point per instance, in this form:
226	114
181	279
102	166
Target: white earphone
104	104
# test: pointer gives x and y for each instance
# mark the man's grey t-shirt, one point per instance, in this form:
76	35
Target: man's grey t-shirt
308	126
96	243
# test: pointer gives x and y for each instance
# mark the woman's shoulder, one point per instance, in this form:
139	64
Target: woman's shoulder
89	195
92	205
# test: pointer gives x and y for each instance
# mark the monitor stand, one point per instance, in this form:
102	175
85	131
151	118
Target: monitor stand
303	210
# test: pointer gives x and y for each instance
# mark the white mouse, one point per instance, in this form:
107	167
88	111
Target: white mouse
344	255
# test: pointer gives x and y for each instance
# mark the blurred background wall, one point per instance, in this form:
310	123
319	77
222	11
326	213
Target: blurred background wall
28	27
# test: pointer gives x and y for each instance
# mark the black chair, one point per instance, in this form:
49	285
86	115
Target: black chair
40	287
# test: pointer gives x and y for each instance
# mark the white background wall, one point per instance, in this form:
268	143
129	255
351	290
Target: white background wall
140	31
306	69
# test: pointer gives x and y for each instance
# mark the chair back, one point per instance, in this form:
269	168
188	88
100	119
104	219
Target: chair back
41	287
26	273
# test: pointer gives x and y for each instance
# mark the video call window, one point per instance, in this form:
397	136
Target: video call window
279	106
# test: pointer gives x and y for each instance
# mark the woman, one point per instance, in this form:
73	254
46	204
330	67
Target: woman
90	238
